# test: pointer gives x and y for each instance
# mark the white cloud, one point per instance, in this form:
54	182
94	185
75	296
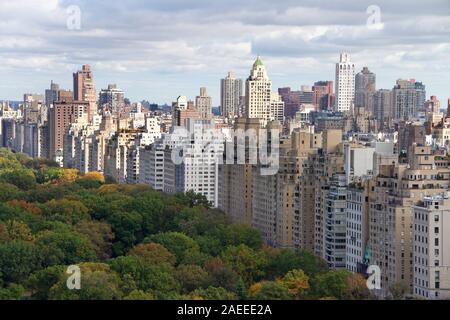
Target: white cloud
181	44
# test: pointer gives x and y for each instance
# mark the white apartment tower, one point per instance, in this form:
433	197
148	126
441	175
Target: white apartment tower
230	94
258	93
345	83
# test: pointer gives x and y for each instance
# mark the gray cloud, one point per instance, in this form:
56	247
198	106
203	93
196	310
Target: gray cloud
162	48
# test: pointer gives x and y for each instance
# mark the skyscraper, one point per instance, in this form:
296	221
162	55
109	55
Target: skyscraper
323	98
365	85
345	83
84	89
61	116
382	106
113	98
408	99
306	95
258	93
230	93
203	104
52	94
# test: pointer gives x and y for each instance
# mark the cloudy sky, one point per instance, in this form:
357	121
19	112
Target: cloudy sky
159	49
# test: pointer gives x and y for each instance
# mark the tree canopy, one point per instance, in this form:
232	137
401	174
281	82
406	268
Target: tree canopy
132	242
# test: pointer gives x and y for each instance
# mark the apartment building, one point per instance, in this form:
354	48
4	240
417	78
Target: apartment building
431	254
397	188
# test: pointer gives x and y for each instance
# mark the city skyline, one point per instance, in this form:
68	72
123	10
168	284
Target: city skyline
164	59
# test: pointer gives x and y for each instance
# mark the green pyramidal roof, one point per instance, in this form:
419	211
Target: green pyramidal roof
258	62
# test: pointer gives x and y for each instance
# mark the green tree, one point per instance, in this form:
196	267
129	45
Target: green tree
248	263
98	282
157	279
64	248
153	253
222	275
236	234
213	293
192	277
269	290
176	242
24	179
40	282
127	227
17	260
9	192
151	207
100	235
12	292
196	199
139	295
331	284
67	211
282	261
12	230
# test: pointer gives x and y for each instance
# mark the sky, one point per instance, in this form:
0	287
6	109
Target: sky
159	49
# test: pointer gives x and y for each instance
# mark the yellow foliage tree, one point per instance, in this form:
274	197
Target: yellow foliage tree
297	282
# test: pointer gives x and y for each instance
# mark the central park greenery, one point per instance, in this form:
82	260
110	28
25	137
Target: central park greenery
132	242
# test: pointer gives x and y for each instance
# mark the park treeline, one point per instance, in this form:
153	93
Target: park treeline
132	242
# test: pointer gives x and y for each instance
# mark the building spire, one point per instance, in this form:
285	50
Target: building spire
258	62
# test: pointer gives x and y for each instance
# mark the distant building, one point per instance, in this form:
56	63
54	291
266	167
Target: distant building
61	116
258	93
408	99
382	108
365	87
323	96
230	94
84	89
345	84
431	257
203	104
112	98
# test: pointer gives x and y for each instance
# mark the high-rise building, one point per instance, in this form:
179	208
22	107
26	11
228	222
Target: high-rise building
323	97
291	101
84	89
277	107
357	222
382	107
345	83
306	95
396	189
431	256
112	98
230	93
52	94
433	105
203	104
258	93
334	223
61	116
182	110
408	99
365	86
